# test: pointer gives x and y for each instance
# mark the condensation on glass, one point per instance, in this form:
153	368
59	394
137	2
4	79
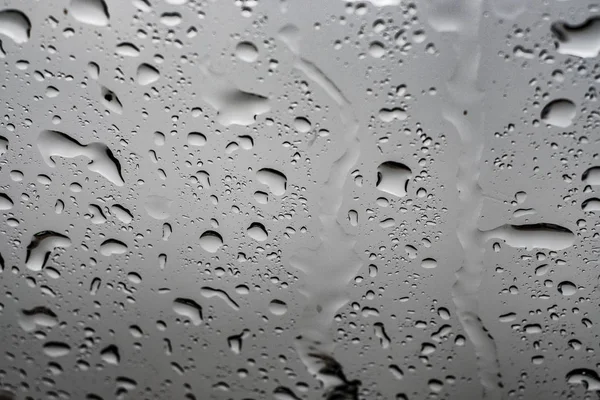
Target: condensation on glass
277	199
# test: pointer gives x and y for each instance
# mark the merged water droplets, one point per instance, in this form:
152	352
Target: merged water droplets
532	236
189	309
58	144
40	316
582	40
41	246
275	180
393	178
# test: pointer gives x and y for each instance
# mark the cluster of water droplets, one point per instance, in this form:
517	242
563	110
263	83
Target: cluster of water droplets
274	199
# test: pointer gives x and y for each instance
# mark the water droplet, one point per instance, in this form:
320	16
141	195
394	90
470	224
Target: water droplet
587	377
42	244
376	49
111	247
122	214
196	139
91	12
542	235
128	50
567	288
393	178
37	316
110	100
189	309
246	51
591	176
15	25
388	115
110	355
56	349
147	74
57	144
559	113
170	18
211	241
302	124
208	292
578	40
591	205
429	263
277	307
275	180
5	202
257	231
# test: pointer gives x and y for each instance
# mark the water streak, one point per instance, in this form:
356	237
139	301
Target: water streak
464	111
329	268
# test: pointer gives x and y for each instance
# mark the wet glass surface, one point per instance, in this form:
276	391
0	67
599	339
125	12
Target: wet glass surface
271	199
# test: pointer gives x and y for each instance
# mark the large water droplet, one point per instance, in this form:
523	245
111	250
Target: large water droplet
5	202
110	355
147	74
57	144
559	113
246	51
591	205
587	377
196	139
257	231
91	12
393	178
37	316
542	235
578	40
567	288
111	247
15	25
128	50
591	176
188	308
42	244
56	349
275	180
277	307
211	241
208	292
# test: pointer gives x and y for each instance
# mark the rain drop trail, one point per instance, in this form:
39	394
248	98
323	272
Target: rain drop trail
464	111
329	268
